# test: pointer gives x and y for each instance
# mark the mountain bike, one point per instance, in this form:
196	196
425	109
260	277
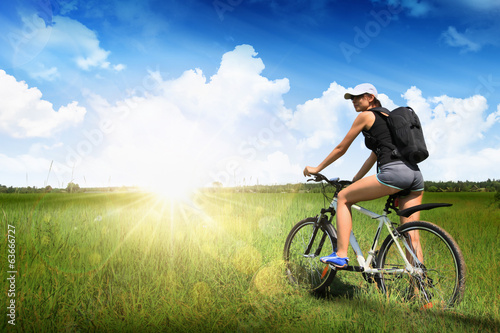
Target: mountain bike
418	261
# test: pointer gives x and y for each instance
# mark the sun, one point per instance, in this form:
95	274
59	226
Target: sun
172	153
172	174
175	174
176	188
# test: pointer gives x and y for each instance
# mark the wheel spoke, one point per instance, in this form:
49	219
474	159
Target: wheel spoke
306	270
440	282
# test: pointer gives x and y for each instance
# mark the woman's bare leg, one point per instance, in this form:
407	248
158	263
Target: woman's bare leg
413	199
364	189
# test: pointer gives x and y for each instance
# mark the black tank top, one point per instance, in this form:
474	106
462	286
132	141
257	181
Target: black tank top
379	132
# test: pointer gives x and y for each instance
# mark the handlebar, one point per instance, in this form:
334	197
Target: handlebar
335	182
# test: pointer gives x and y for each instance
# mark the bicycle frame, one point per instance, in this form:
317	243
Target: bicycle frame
364	264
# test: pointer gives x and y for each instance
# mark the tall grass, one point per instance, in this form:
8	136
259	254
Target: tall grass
134	262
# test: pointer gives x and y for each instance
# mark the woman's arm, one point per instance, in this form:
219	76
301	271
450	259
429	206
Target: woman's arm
370	161
361	121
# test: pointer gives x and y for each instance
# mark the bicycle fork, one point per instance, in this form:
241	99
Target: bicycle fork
317	226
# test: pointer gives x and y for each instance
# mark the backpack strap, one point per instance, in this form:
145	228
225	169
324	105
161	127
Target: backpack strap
382	110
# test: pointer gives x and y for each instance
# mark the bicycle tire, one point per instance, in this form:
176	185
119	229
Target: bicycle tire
442	284
309	272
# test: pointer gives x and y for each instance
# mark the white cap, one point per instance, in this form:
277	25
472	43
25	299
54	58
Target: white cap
360	89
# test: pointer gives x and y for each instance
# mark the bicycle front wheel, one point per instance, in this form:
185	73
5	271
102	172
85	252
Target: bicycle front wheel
440	282
304	246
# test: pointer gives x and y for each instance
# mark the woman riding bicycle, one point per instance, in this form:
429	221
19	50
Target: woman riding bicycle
393	175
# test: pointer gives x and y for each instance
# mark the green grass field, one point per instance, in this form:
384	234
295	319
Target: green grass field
133	262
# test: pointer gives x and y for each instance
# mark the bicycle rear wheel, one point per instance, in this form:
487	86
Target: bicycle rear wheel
441	283
305	269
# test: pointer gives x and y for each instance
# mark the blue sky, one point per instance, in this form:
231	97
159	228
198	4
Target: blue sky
238	91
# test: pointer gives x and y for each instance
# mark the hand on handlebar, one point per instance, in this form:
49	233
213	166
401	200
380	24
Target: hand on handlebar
308	171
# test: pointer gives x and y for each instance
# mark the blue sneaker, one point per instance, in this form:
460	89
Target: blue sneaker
334	260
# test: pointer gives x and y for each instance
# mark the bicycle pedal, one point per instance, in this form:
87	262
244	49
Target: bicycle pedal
338	268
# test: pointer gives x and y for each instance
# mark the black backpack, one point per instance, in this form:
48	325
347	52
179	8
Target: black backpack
407	135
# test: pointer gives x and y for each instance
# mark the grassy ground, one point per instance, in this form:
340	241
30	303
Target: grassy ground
132	262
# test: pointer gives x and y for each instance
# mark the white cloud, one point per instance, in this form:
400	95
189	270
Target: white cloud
467	165
30	170
86	46
416	8
456	122
67	7
275	168
325	120
320	120
456	39
483	5
46	74
23	112
484	31
454	129
27	42
237	89
386	102
97	58
192	130
209	129
37	44
451	123
420	8
119	67
418	103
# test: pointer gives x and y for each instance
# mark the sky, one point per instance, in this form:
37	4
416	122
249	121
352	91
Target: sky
181	94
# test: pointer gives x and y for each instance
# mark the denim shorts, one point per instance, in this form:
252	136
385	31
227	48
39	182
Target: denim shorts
399	175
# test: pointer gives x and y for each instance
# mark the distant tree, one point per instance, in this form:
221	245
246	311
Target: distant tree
72	187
